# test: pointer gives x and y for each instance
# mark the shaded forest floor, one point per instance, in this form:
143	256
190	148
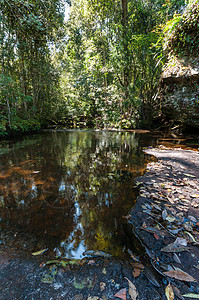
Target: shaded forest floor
166	213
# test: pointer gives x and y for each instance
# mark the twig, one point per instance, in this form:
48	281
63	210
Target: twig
162	227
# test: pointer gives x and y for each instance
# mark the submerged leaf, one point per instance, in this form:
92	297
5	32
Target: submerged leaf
169	292
180	275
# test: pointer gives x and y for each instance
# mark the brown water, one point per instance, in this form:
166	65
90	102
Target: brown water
71	190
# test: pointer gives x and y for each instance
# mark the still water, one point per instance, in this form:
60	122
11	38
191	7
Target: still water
71	189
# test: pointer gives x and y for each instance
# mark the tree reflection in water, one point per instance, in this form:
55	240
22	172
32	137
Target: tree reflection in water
73	188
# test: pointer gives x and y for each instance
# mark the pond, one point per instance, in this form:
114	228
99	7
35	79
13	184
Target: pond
70	191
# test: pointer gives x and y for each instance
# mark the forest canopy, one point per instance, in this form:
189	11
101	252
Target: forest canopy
99	67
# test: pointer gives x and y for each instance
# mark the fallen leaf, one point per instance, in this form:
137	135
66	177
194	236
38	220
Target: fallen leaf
102	286
121	294
174	248
132	256
39	252
137	265
181	242
195	196
136	272
91	262
169	292
144	225
176	258
195	296
189	175
188	226
197	267
154	230
177	292
42	265
191	236
151	276
164	214
156	236
93	298
170	219
192	218
156	206
180	275
132	290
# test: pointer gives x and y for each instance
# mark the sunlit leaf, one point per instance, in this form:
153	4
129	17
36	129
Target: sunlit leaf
39	252
190	295
169	292
164	214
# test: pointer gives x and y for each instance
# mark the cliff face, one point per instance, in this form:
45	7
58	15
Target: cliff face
180	97
180	79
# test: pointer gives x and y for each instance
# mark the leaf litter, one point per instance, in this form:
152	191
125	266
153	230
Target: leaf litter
169	218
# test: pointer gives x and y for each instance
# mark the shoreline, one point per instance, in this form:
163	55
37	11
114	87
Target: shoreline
167	213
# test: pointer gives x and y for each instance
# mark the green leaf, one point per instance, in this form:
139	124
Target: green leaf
39	252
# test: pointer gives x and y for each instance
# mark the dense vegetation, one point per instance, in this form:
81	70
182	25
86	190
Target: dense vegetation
101	67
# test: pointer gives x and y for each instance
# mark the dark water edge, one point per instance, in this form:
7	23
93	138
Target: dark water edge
70	191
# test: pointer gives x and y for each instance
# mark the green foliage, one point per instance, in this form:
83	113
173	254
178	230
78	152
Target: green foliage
28	81
111	69
182	32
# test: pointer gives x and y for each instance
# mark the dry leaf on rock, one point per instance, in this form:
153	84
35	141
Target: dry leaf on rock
195	196
170	219
169	292
176	258
164	214
136	272
180	275
144	225
181	242
177	292
174	248
190	295
132	290
137	265
102	286
121	294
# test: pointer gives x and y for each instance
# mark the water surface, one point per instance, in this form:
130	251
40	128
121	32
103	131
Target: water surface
71	189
